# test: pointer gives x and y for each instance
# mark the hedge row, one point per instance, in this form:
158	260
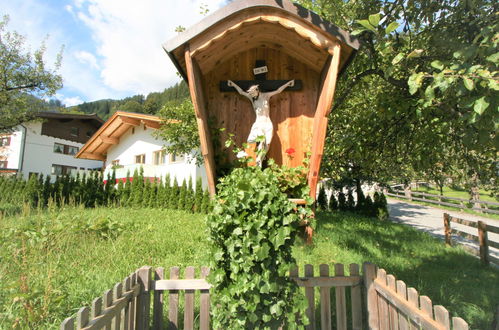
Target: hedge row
91	190
372	207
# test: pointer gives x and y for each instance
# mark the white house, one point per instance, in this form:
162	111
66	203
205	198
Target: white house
126	143
48	144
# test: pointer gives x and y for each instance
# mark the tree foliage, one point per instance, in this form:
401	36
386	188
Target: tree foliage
421	93
24	78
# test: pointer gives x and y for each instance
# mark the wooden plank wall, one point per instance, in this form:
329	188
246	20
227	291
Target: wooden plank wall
292	113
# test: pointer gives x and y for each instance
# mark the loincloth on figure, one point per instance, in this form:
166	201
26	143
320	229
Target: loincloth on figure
261	126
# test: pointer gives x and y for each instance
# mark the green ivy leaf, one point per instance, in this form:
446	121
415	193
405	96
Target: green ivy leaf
494	58
374	19
437	65
391	27
481	105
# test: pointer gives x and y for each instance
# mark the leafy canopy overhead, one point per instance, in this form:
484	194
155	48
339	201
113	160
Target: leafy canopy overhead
24	78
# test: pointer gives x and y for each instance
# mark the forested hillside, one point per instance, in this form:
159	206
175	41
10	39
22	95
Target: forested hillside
150	104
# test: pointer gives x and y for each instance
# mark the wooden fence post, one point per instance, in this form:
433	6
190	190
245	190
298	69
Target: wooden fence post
144	298
369	272
448	238
484	245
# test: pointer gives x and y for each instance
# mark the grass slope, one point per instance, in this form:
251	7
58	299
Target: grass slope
55	262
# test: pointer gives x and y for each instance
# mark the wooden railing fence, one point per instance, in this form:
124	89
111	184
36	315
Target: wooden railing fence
482	238
438	199
373	300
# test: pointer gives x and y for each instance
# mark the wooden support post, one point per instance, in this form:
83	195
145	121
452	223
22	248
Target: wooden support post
198	101
323	108
369	271
484	244
448	237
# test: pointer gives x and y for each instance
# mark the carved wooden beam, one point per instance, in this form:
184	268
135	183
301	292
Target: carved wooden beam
108	139
94	156
151	124
129	121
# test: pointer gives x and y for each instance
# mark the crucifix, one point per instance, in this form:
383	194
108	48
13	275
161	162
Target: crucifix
259	92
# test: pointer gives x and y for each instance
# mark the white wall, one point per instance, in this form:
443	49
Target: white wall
141	141
39	153
13	151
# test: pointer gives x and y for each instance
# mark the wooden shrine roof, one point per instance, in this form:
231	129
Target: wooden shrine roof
109	134
278	24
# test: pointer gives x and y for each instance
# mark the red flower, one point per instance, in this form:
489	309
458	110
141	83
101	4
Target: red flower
290	151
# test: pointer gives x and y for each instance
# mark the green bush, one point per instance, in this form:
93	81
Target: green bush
333	203
252	229
322	199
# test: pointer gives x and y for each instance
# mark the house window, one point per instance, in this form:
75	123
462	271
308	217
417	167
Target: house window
159	157
58	148
176	158
4	141
140	159
62	170
3	164
72	150
74	131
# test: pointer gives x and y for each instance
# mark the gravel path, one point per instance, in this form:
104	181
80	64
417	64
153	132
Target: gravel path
430	220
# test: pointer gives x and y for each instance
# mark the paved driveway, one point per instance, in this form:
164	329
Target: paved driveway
430	220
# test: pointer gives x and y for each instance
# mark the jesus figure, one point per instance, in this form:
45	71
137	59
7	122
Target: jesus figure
262	125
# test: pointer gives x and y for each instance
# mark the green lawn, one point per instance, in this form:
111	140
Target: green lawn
456	192
55	262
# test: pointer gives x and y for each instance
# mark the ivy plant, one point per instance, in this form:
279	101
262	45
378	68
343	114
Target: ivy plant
252	229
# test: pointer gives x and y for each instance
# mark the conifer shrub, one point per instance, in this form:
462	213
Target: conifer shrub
350	206
252	229
198	196
333	203
342	202
322	199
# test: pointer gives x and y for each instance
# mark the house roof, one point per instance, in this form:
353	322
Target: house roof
59	115
237	14
110	133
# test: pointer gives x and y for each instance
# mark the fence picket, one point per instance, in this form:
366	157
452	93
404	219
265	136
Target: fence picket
82	317
459	324
384	318
68	323
413	298
96	308
310	295
442	316
325	300
108	301
157	317
131	314
341	308
204	303
369	271
189	301
117	292
392	310
173	301
356	300
126	310
402	318
426	306
144	298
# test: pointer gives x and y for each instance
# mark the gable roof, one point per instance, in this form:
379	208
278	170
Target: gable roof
110	133
248	11
96	120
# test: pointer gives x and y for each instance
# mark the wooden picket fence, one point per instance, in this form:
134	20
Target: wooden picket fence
373	300
482	239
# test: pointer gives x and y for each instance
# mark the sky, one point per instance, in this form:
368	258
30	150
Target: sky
111	48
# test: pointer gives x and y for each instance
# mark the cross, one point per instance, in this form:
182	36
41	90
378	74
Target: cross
260	72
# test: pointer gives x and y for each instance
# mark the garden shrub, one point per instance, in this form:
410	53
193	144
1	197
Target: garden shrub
252	229
333	203
342	203
322	199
